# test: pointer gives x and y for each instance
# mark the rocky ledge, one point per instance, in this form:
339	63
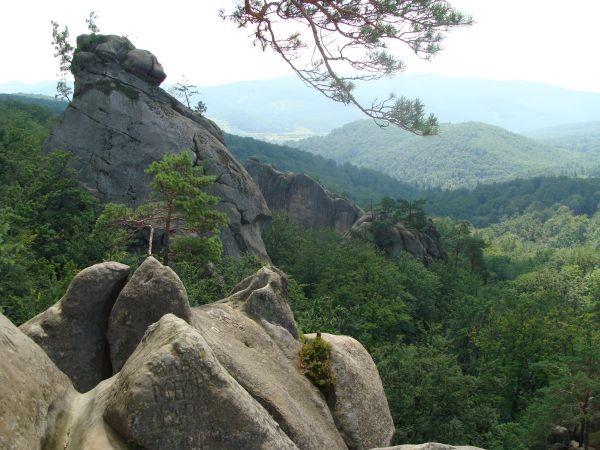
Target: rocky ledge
424	245
302	198
119	364
120	121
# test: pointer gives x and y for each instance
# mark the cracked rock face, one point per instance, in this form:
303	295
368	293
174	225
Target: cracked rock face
120	121
424	245
303	199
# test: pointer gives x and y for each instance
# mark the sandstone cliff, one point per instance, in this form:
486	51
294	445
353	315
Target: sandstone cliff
302	198
120	121
219	376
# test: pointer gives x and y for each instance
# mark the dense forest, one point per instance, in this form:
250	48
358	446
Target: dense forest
492	347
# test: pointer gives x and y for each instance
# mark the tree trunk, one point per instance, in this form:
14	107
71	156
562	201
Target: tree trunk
150	239
167	234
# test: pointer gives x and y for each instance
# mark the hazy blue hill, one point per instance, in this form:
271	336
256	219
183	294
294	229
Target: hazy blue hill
271	108
462	155
583	138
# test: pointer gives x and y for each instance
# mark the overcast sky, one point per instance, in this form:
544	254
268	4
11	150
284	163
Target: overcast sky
547	41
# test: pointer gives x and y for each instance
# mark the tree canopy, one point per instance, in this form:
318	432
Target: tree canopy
343	42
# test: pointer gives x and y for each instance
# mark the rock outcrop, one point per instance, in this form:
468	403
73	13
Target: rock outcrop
153	291
174	394
73	331
33	392
423	245
302	198
358	404
120	121
219	376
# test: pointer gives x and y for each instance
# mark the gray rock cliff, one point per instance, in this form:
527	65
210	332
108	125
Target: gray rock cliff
423	245
120	121
302	198
220	376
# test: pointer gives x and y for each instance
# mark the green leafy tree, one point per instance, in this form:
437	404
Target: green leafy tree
412	213
352	37
177	203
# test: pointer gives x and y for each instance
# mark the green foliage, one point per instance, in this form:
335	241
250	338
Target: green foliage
425	385
178	203
46	219
364	186
315	361
348	277
208	284
490	203
462	155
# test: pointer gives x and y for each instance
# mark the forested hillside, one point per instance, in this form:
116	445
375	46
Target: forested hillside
583	138
462	155
492	347
489	203
359	184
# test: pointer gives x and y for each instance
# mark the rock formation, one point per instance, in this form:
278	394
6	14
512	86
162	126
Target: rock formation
302	198
153	291
33	392
120	121
73	331
219	376
423	245
359	405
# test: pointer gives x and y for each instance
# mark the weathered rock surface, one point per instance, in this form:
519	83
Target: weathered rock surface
174	394
227	377
302	198
73	331
429	446
120	121
153	291
264	296
422	245
33	392
261	354
359	405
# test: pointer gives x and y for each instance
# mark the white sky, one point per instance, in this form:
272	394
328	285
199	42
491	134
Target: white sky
548	41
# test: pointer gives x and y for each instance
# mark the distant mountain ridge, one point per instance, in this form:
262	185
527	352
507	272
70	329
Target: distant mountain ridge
462	155
583	138
285	108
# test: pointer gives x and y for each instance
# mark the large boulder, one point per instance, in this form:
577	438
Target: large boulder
302	198
358	403
174	394
153	291
120	121
221	376
73	331
258	350
34	394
